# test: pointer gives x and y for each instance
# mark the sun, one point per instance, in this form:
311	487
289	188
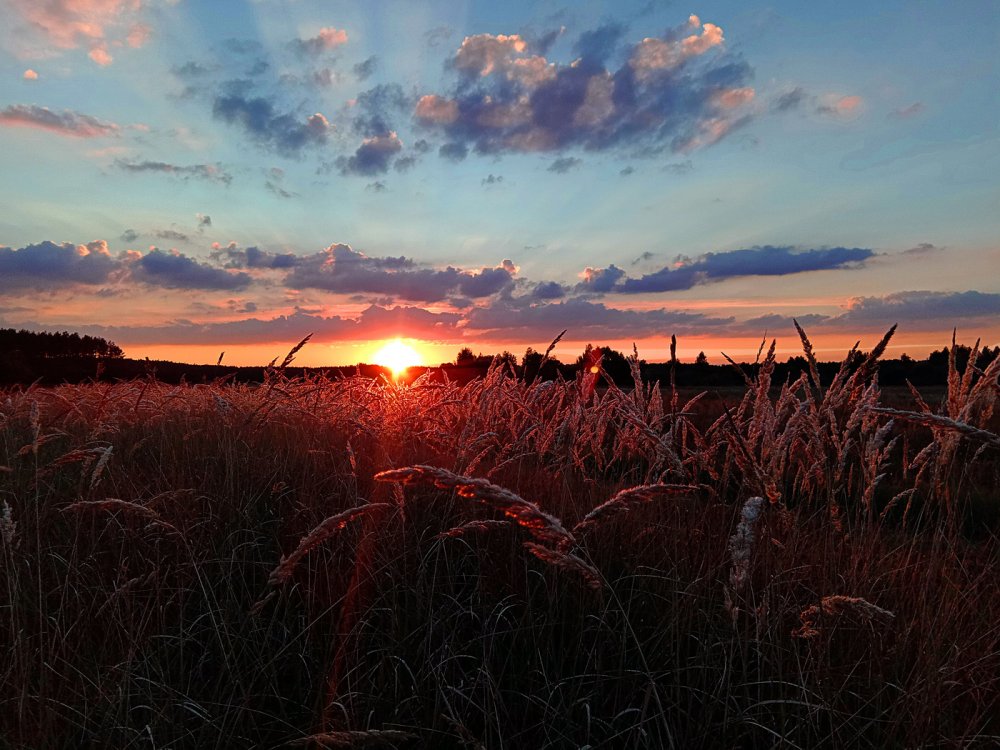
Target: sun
397	356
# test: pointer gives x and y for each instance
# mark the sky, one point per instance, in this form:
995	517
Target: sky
188	177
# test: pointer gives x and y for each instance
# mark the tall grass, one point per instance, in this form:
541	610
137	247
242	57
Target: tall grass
500	564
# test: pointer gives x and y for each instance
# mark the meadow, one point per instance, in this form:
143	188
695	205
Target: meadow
506	563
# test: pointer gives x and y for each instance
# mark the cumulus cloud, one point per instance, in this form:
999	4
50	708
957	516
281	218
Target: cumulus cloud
789	100
172	234
67	122
373	156
177	271
342	269
283	132
233	256
454	151
129	235
48	265
30	75
686	273
327	39
209	172
679	90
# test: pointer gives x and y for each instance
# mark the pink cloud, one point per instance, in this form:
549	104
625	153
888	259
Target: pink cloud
68	24
67	122
100	55
30	75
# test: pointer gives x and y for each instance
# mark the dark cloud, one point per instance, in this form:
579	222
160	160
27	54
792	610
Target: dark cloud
626	171
680	168
546	290
326	40
523	319
421	146
541	44
642	257
204	220
920	306
601	280
789	100
191	69
923	248
47	265
366	68
178	271
282	132
372	157
492	179
564	164
679	91
594	47
233	256
273	187
129	235
342	269
171	234
438	35
376	187
376	109
766	260
67	122
453	151
209	172
404	163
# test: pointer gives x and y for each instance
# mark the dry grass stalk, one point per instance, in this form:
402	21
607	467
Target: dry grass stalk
741	543
528	515
322	532
479	526
354	738
938	421
628	499
113	505
836	605
567	562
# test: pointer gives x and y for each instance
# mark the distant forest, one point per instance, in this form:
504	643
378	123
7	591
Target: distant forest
63	357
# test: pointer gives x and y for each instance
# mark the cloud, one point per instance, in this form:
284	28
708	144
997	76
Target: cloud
520	319
626	171
678	91
376	187
282	132
327	39
67	122
30	75
67	24
438	36
906	113
840	107
547	290
232	256
209	172
178	271
373	156
129	235
366	68
564	164
454	151
492	180
922	248
344	270
47	265
204	220
686	273
789	100
404	163
171	234
920	306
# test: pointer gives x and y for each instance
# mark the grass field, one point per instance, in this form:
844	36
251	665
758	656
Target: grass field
501	564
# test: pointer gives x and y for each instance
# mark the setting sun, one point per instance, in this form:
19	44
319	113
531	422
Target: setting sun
397	356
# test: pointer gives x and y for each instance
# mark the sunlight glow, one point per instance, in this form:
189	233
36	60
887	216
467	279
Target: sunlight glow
397	356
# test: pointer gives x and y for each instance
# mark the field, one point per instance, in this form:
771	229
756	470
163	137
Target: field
501	564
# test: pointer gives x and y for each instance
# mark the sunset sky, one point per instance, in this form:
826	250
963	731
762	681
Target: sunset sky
189	177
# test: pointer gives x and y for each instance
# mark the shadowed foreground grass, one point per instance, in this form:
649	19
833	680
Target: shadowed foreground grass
218	566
